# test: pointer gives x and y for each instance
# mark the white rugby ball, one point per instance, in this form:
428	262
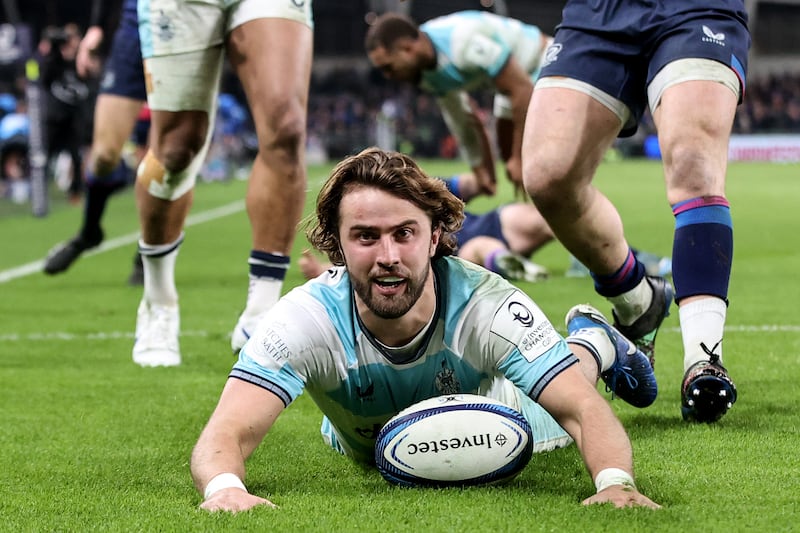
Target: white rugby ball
454	440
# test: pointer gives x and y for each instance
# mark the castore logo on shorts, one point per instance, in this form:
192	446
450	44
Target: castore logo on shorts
711	37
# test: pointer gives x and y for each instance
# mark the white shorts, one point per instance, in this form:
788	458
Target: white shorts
182	45
169	27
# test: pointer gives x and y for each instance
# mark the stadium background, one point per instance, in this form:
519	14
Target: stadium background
352	106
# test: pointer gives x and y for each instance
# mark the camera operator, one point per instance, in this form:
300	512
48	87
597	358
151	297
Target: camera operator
69	101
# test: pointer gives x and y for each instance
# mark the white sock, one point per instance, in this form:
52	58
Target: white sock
702	321
630	305
262	294
597	342
159	272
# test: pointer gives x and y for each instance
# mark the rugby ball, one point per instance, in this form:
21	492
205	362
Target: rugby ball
454	440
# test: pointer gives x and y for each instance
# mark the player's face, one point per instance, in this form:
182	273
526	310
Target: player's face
387	244
397	64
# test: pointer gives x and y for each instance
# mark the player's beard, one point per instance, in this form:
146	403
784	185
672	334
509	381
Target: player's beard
397	305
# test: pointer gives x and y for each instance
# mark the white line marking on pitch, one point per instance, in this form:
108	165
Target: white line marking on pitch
117	242
106	335
124	240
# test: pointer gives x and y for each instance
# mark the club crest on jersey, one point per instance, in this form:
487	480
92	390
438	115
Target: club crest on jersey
165	31
445	381
521	322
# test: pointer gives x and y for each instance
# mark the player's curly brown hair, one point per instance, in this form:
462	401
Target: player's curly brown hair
396	174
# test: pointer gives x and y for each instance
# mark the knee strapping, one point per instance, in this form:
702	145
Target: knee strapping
165	184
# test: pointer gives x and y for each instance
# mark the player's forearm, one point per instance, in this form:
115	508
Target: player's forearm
460	118
472	141
242	418
214	454
602	441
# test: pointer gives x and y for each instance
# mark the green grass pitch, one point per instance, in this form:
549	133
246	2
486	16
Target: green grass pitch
91	442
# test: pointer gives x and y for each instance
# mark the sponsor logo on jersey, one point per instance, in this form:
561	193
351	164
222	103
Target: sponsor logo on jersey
520	314
482	51
367	392
369	433
274	345
522	323
709	36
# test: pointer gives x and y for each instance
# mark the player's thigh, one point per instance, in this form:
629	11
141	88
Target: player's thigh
478	248
272	58
524	227
694	122
568	129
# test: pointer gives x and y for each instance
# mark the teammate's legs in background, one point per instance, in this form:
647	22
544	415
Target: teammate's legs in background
115	117
272	57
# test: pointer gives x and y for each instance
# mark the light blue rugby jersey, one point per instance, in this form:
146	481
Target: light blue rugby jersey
472	47
312	339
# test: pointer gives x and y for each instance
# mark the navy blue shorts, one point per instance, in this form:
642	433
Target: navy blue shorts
140	132
618	46
487	224
124	73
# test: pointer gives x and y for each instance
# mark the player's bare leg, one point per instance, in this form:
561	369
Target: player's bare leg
565	140
272	57
695	149
177	141
114	120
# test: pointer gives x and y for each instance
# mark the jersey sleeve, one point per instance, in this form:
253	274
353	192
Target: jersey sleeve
505	332
290	344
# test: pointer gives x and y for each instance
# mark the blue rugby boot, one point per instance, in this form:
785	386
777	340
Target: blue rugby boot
707	391
631	376
643	331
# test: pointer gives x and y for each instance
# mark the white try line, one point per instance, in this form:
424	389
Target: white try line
125	240
110	335
111	244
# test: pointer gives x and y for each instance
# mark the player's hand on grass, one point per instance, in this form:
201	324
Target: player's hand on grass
234	500
622	496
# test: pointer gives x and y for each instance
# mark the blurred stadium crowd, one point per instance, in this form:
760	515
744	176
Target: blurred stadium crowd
351	107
